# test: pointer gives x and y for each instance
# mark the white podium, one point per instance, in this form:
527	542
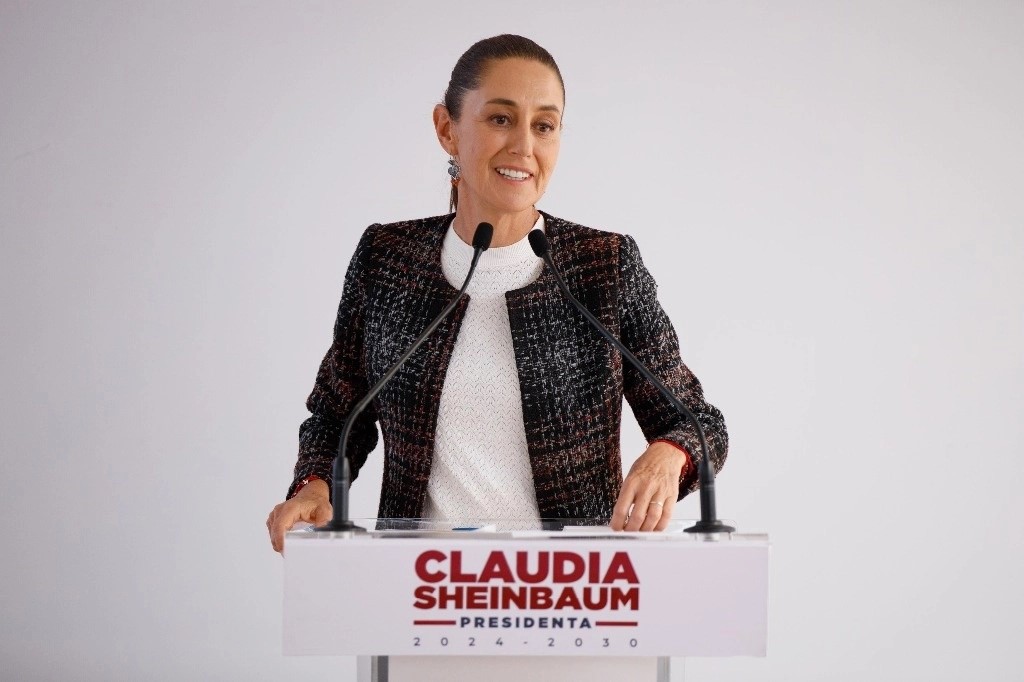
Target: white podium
541	600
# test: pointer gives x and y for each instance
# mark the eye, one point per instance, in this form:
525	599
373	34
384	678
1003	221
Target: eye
545	127
501	119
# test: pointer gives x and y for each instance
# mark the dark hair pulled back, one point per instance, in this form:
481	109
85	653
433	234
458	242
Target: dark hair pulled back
469	71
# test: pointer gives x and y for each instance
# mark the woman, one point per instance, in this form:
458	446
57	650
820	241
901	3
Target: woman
512	408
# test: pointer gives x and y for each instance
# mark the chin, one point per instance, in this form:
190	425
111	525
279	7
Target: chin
516	205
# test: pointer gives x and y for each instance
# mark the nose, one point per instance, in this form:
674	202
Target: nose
521	141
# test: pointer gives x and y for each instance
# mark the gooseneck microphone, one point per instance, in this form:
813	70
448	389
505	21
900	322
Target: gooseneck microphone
709	522
341	472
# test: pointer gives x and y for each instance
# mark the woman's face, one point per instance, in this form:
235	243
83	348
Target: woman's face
507	138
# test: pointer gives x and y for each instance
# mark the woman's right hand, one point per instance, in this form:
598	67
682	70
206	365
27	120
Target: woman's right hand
312	504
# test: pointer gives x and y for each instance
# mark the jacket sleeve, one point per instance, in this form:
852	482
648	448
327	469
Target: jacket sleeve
340	383
647	331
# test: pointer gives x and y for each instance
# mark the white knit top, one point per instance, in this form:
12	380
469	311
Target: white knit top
481	466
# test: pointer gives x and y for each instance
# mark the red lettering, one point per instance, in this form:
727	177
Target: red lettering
476	597
568	599
514	596
523	567
457	575
421	566
449	597
595	598
424	597
568	567
540	598
621	568
595	565
626	598
496	568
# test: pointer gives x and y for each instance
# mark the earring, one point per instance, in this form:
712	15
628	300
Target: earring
454	170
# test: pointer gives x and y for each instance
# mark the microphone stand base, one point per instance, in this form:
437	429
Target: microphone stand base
714	526
340	526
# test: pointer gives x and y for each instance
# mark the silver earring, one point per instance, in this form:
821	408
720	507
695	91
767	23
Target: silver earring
453	169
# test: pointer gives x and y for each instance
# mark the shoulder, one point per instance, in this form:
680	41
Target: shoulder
404	239
574	233
589	243
417	229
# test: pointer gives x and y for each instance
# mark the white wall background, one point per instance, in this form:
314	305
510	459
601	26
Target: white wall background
830	195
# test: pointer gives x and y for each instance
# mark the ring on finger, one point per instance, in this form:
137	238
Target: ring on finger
660	504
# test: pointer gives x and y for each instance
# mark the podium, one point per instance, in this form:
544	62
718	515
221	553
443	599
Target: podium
550	599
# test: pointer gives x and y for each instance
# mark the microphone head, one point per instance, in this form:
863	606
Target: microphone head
482	236
538	242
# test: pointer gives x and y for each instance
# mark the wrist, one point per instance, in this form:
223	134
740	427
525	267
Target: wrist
312	486
678	449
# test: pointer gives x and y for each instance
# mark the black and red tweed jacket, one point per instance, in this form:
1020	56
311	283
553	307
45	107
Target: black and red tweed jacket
572	381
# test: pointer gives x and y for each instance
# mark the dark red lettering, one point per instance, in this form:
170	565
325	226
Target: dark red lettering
421	566
496	568
621	568
424	597
595	598
449	597
523	567
457	575
625	598
568	599
540	598
568	567
514	596
476	597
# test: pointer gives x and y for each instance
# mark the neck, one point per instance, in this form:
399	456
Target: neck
509	228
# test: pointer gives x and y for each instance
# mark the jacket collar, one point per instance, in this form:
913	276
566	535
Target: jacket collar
554	229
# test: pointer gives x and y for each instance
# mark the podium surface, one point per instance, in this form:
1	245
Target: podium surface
525	589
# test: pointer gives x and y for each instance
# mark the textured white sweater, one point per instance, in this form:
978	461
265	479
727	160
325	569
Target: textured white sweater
481	466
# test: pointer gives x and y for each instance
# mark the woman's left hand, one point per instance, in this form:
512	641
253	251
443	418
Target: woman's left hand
650	490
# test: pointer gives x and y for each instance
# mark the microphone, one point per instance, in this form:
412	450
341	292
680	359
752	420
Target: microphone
708	523
342	469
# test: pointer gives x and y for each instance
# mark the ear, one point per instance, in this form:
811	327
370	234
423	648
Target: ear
445	128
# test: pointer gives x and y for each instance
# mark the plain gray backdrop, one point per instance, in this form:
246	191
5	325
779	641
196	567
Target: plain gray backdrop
828	193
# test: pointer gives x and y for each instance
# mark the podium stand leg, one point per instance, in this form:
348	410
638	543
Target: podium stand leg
511	668
371	668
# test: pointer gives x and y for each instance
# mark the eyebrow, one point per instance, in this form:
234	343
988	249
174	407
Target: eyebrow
510	103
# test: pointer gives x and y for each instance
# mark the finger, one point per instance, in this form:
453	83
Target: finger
640	509
309	512
655	510
621	510
270	517
284	520
321	514
666	514
270	525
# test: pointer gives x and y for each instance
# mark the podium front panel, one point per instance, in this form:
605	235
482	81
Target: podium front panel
575	592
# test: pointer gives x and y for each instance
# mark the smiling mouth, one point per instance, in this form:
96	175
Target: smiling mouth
510	174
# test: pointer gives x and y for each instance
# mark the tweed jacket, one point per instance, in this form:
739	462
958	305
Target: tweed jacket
572	381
